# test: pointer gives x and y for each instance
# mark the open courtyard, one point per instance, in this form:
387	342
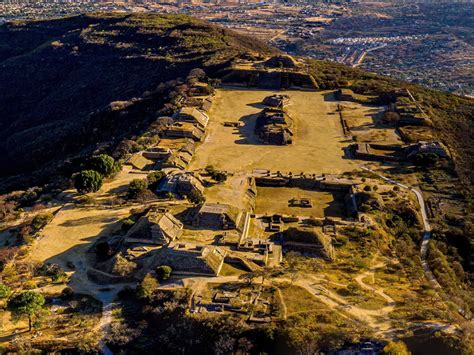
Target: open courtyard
318	139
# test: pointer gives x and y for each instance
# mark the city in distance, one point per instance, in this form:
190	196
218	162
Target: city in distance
236	177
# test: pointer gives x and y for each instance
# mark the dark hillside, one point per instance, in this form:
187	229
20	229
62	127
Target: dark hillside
54	74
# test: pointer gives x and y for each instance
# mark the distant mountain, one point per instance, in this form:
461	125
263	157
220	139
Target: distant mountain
56	77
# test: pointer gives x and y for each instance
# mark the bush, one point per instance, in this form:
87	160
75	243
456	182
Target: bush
155	178
219	176
163	272
104	164
396	348
136	187
88	181
147	287
4	291
41	220
122	266
67	293
391	117
195	197
216	175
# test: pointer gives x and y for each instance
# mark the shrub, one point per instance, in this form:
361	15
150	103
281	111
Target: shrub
163	272
122	266
136	187
67	293
147	287
391	117
155	178
4	291
216	175
41	220
195	197
30	285
219	176
197	73
87	181
396	348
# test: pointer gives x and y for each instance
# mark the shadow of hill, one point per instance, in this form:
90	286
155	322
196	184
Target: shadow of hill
99	58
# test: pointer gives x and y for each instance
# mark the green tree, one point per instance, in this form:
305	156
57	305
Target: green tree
4	291
155	178
196	197
219	176
88	181
396	348
104	164
163	272
27	304
147	287
136	187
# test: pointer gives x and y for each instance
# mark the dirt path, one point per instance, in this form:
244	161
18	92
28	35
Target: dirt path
426	227
371	272
376	319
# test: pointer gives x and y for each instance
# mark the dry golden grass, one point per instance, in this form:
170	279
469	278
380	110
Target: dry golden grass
73	230
317	145
297	299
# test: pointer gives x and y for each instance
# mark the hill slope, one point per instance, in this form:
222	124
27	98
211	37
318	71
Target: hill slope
58	78
54	74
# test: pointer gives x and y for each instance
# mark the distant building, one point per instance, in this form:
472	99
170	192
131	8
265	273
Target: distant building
217	216
344	95
426	148
309	239
184	130
156	227
192	115
278	101
138	161
282	61
183	183
273	126
192	259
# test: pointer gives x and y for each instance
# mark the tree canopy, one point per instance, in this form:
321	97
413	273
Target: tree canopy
136	186
27	304
163	272
104	164
88	181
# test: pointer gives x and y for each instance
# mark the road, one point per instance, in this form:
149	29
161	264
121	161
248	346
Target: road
426	226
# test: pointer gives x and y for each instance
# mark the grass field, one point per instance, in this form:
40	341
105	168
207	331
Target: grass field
73	230
275	200
317	144
298	300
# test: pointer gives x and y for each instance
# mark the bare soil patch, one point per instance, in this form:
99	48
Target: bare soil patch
73	230
318	140
275	200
